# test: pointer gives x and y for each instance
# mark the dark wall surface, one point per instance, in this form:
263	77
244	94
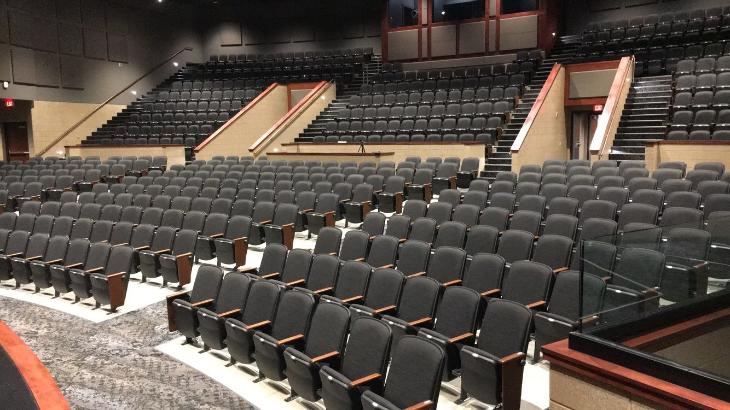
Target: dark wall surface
86	50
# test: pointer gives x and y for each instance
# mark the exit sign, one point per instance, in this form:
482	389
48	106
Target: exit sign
9	103
598	108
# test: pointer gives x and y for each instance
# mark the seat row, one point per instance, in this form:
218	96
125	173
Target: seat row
506	95
518	79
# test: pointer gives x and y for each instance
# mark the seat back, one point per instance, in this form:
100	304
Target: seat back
415	372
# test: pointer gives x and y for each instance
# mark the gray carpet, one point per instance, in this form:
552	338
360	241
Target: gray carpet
114	364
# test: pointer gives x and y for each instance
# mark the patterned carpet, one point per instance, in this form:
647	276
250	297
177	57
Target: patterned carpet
113	365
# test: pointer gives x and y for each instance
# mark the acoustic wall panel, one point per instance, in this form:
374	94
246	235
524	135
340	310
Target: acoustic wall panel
116	19
5	72
92	14
301	32
492	35
118	48
27	5
443	41
72	72
3	24
424	42
518	32
69	10
471	37
46	69
95	44
353	30
403	45
23	60
21	29
70	39
45	34
230	34
45	8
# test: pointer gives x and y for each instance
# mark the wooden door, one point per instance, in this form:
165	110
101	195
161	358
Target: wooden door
16	141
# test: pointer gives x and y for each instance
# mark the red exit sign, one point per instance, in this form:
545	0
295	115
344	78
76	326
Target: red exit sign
598	108
9	103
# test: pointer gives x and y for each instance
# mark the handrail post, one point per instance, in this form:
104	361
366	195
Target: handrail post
108	100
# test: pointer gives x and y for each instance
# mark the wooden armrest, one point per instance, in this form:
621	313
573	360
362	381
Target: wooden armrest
413	275
307	210
385	308
97	269
183	255
266	222
216	235
291	339
141	248
295	282
14	254
287	225
354	298
270	275
32	258
114	275
421	406
365	379
328	213
203	302
420	321
390	265
332	254
327	289
345	200
402	240
247	269
122	244
325	356
491	292
536	305
54	261
558	270
512	357
161	251
257	325
176	295
359	260
229	313
74	265
461	337
451	282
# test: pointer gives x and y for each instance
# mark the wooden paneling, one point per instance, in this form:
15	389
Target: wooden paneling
175	153
400	150
691	152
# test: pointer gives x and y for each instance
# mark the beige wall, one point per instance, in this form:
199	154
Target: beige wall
400	151
403	45
687	152
244	130
50	119
589	84
570	391
299	120
443	41
175	153
546	138
608	121
518	32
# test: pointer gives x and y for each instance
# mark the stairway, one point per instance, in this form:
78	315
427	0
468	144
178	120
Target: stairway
644	117
316	127
500	158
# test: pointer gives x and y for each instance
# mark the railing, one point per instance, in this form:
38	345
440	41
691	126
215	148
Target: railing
108	100
607	121
290	116
238	115
536	106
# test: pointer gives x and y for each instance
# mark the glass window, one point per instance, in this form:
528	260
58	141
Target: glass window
403	13
518	6
454	10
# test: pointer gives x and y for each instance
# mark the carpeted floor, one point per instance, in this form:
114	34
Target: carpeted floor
114	364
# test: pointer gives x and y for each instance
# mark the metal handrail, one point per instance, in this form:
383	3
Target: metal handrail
110	99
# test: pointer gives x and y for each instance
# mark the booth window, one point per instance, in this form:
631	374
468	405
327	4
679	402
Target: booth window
402	13
518	6
455	10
